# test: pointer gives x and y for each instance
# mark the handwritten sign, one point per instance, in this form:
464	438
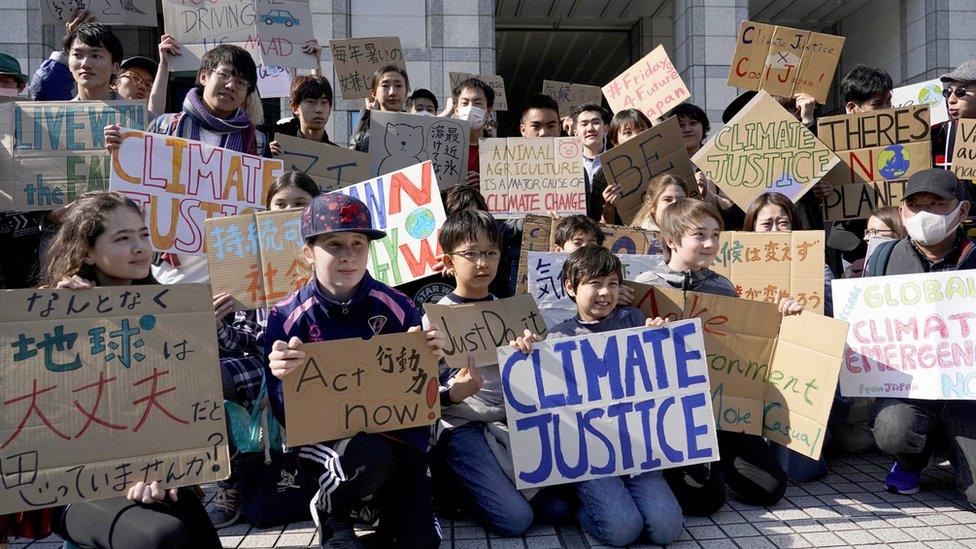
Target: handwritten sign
272	31
768	376
879	150
652	85
784	61
356	59
54	151
407	205
633	163
398	140
923	93
764	149
496	83
273	82
964	151
478	329
910	337
570	96
331	167
104	388
179	182
621	402
768	266
537	175
130	13
354	386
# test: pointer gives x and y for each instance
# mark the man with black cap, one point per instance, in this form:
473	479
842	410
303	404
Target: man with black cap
934	206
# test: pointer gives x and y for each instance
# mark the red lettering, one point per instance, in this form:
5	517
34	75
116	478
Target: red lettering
400	182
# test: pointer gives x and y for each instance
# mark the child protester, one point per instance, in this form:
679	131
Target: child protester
690	233
578	230
616	510
343	301
661	191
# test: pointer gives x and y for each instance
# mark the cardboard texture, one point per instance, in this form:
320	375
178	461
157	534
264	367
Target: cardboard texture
536	233
129	13
923	93
767	375
964	151
273	82
179	182
632	165
858	200
767	266
784	61
272	31
764	149
399	140
257	257
330	166
106	387
478	329
910	337
355	59
608	404
496	82
539	175
351	386
54	151
652	85
407	205
570	96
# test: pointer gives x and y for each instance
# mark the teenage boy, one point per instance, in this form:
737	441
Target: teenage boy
540	117
12	81
578	230
311	103
910	430
422	101
387	92
94	57
473	100
590	121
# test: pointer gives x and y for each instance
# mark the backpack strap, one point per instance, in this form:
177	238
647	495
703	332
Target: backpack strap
878	262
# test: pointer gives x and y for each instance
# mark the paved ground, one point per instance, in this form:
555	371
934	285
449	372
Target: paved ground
848	508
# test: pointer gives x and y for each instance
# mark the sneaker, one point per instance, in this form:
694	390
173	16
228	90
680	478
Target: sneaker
226	508
902	481
338	534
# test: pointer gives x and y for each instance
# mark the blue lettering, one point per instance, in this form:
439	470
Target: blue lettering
645	407
564	469
635	359
70	128
566	348
597	367
619	411
588	417
655	337
689	403
507	385
544	469
673	455
682	355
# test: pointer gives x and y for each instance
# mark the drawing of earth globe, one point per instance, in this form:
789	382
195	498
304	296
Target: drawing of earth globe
420	223
930	95
893	162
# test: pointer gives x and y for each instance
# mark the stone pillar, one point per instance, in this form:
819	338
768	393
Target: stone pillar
937	36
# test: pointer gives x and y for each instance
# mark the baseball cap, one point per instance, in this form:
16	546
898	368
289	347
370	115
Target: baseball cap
338	213
941	183
140	62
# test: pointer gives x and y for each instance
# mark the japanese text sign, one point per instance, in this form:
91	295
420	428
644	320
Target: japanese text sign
355	59
356	385
784	61
495	82
569	96
652	86
608	404
398	140
104	388
768	266
331	167
54	151
178	183
923	93
911	335
764	149
130	13
964	152
540	175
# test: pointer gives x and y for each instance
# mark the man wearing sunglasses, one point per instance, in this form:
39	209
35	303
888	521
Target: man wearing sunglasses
959	90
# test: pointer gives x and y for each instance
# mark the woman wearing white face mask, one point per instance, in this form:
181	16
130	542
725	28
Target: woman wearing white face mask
473	100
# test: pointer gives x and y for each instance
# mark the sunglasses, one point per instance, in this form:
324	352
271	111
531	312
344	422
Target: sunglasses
958	92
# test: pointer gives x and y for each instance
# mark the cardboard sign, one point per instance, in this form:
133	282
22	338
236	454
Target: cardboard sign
652	86
613	403
355	59
179	182
398	140
910	337
547	288
273	82
356	385
764	149
539	175
478	329
923	93
129	13
859	200
272	31
331	167
633	163
257	257
784	61
407	205
570	96
768	266
496	83
104	388
54	151
768	375
964	151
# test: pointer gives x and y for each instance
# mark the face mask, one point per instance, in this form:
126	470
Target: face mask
928	228
9	92
474	115
425	113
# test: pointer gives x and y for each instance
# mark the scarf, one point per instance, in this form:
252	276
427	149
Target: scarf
237	132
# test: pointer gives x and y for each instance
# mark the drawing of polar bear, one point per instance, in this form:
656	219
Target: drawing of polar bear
404	147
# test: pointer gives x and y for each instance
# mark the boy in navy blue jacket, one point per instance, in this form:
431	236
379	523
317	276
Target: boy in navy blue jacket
343	301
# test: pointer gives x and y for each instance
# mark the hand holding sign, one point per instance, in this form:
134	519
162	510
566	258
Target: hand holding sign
467	382
284	358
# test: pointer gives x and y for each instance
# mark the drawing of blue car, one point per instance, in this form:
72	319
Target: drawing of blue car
281	17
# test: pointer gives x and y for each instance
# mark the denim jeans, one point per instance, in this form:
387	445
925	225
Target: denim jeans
616	510
910	430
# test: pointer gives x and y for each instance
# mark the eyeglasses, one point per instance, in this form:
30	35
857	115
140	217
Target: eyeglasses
137	80
958	92
877	232
474	255
223	78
